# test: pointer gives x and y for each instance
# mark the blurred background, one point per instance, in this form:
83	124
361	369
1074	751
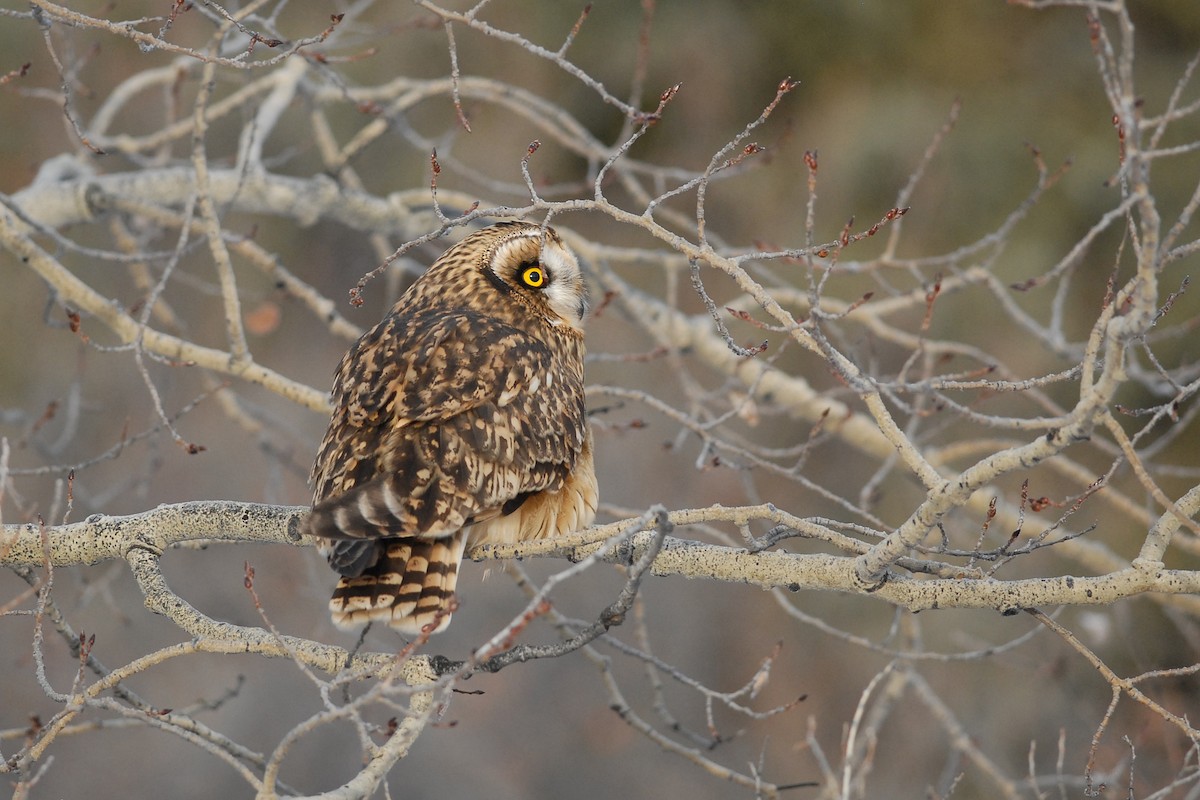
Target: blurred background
877	81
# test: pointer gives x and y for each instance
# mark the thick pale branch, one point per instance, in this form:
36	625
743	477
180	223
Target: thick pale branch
55	203
798	572
142	538
104	538
215	636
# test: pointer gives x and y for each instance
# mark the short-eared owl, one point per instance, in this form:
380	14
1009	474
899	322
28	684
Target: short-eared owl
457	419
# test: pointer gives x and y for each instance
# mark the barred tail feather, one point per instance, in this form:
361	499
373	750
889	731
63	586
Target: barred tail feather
409	587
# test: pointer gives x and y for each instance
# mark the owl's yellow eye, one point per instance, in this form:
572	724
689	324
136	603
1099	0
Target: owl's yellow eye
533	277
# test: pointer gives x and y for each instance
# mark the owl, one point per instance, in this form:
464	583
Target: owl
457	420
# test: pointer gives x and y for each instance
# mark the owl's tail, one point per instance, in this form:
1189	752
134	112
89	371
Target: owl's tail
410	586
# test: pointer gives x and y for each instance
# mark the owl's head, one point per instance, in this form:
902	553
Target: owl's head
531	263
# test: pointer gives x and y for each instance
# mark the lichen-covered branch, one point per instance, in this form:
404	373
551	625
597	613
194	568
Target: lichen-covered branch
102	538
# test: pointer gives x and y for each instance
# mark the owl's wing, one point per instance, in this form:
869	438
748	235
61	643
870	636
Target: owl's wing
443	418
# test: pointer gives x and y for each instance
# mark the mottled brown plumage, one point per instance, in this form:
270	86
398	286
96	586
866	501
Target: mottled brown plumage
458	418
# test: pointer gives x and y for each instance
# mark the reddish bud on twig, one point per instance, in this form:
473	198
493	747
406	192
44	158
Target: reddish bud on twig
1040	504
609	296
1120	138
587	9
860	301
1093	23
749	150
256	38
16	73
991	513
930	297
1109	290
892	214
743	315
47	415
754	350
649	118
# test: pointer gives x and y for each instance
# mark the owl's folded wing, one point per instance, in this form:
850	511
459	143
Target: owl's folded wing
443	419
